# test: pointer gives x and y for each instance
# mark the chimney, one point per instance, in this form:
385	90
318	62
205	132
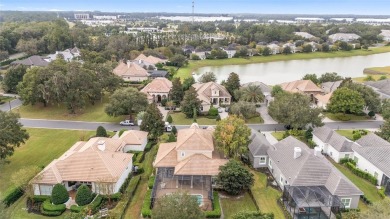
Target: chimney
128	63
317	151
297	152
102	145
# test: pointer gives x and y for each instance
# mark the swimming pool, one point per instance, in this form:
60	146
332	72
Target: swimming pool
199	198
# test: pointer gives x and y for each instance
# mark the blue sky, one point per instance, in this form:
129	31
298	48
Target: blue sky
371	7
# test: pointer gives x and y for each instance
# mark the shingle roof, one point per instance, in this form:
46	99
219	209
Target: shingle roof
329	136
376	150
204	91
323	98
330	86
259	144
32	61
264	88
308	169
130	69
300	86
383	86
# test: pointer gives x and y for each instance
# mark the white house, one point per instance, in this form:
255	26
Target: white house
275	49
386	35
346	37
332	143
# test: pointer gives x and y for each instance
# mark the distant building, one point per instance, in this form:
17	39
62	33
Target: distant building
329	87
309	20
386	35
302	86
68	55
346	37
105	17
32	61
382	87
83	16
304	35
275	49
347	20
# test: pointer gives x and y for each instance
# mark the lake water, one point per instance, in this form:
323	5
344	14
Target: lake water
283	71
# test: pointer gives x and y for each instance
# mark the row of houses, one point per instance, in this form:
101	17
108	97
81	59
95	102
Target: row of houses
42	61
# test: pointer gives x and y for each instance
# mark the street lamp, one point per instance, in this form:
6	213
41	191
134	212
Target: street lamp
9	102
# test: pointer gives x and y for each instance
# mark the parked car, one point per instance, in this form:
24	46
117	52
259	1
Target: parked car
168	127
127	123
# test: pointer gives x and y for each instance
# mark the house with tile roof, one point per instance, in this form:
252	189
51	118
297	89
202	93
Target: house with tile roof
332	143
311	185
150	59
131	71
305	35
157	90
188	165
322	100
302	86
32	61
93	162
372	154
258	148
212	93
345	37
67	54
382	87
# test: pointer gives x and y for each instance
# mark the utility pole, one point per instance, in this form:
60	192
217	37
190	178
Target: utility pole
193	9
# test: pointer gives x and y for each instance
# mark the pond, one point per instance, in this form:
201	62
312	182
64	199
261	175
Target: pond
283	71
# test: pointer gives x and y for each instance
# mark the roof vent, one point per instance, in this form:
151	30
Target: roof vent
297	152
102	145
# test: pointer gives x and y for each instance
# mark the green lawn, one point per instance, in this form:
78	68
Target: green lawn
5	99
369	190
362	79
255	120
186	72
334	117
180	119
266	196
347	133
94	113
380	70
278	135
43	146
235	204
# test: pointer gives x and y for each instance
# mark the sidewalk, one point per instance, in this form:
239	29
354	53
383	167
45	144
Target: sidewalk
271	139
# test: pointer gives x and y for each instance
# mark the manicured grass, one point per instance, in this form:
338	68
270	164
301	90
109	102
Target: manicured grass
255	120
347	133
93	113
363	79
180	119
278	135
369	190
234	204
381	70
352	117
266	196
43	146
186	72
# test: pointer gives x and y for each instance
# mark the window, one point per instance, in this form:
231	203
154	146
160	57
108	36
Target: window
270	163
346	202
183	153
262	160
45	189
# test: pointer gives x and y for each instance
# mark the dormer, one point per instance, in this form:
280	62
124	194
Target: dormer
214	91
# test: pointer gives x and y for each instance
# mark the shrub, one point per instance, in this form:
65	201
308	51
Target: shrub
59	195
151	182
213	111
174	130
343	117
48	206
308	133
95	204
381	192
218	118
121	132
13	196
50	213
115	197
366	200
77	209
146	211
356	136
216	212
169	119
140	170
101	132
345	160
164	102
311	143
40	198
148	146
234	178
371	114
361	173
172	137
83	195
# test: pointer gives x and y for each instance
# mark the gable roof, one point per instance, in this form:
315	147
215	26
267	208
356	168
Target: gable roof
32	61
134	137
323	98
204	91
372	140
150	59
259	145
130	69
264	88
308	169
300	86
383	86
158	85
329	136
330	86
195	138
199	164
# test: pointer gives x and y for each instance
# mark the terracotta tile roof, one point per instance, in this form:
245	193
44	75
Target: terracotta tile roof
84	161
150	59
130	69
323	98
158	85
166	155
134	137
204	91
300	86
195	138
199	164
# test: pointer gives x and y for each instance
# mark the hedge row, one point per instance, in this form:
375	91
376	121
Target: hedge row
41	198
76	209
48	206
346	160
113	197
146	210
94	205
216	212
148	146
361	173
366	200
151	182
125	183
13	196
120	209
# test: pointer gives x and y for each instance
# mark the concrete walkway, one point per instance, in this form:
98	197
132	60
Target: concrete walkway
263	110
163	111
271	139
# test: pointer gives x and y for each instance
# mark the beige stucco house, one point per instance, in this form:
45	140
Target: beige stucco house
157	90
212	93
302	86
150	59
131	71
135	140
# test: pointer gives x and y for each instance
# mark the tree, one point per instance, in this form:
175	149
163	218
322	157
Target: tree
277	89
330	77
174	130
178	206
126	102
245	109
266	51
383	77
59	195
294	110
83	195
345	100
101	132
207	77
153	122
232	136
286	50
384	131
307	48
312	77
234	178
371	98
252	93
169	119
172	137
177	92
190	103
245	214
187	83
179	60
232	83
386	109
12	77
4	55
212	111
325	47
11	133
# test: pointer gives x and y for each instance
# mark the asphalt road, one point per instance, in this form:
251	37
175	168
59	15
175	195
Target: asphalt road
13	104
79	125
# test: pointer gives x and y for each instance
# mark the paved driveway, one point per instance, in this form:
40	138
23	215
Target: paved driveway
263	110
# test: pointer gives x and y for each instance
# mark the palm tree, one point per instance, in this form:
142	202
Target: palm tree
252	93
